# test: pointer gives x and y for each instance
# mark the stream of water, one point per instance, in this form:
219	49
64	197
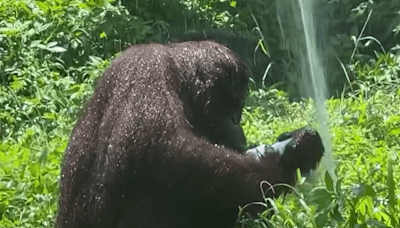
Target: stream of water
303	40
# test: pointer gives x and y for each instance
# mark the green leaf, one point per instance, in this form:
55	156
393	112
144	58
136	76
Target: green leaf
44	27
336	215
328	181
391	185
103	35
321	220
56	49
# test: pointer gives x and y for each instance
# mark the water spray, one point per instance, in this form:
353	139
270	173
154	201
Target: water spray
303	42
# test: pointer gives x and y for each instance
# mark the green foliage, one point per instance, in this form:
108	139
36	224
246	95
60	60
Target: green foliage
29	175
365	137
52	52
380	74
347	32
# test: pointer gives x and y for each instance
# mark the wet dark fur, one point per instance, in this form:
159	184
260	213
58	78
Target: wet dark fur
142	155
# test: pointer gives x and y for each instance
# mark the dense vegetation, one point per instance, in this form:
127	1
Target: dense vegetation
52	52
